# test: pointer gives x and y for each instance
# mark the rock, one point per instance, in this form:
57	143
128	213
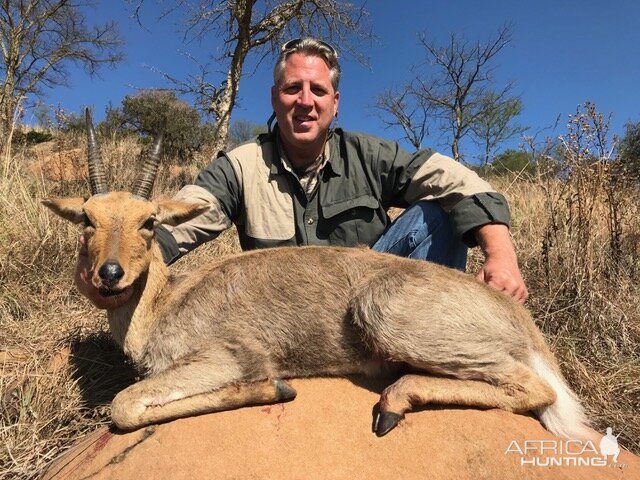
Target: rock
325	433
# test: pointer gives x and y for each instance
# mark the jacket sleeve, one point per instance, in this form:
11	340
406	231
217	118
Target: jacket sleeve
470	201
217	185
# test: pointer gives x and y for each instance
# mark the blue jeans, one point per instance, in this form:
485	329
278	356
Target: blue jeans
424	231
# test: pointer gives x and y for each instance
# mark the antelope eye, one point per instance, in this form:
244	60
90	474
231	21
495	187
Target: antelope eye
87	221
148	224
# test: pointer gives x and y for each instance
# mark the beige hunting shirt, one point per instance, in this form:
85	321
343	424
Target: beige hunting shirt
361	178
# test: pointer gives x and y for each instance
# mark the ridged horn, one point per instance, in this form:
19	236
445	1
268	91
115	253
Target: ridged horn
97	175
144	181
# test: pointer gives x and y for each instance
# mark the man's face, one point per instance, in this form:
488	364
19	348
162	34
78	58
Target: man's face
305	103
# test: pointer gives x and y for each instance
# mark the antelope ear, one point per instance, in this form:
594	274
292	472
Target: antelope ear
68	208
173	212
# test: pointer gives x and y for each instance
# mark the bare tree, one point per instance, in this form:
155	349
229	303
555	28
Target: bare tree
401	108
494	125
462	78
453	89
244	130
39	39
251	26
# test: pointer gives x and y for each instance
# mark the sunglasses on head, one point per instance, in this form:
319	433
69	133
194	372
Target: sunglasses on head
295	43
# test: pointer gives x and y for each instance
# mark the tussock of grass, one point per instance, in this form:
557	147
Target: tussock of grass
60	369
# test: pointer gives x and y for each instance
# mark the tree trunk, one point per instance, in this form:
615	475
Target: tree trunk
455	148
7	112
225	105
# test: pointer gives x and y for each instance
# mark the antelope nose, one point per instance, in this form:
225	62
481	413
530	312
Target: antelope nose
110	273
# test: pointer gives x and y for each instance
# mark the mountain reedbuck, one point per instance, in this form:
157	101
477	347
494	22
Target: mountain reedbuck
226	335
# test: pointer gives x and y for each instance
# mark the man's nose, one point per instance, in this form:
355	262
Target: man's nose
305	97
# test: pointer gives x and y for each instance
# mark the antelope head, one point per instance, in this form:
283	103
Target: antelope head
119	227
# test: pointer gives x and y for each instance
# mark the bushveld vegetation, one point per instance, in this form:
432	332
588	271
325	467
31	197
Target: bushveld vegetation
576	225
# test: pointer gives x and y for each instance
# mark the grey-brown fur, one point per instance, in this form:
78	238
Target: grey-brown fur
226	335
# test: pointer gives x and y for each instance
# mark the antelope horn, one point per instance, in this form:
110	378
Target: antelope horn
144	182
97	175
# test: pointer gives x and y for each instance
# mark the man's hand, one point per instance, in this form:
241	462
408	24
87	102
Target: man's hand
82	279
500	269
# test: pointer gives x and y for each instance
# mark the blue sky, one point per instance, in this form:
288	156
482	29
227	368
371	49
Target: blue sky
563	53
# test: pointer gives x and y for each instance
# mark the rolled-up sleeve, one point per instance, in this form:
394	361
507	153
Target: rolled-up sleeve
478	210
216	185
470	201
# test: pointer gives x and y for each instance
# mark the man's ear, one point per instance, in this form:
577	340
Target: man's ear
173	212
68	208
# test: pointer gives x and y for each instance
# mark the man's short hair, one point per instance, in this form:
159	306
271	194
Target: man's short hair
312	47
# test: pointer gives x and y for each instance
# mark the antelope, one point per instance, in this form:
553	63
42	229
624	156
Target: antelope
231	333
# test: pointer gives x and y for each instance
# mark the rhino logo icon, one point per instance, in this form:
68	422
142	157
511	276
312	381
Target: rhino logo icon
609	445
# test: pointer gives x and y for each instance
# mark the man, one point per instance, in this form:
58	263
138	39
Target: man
306	183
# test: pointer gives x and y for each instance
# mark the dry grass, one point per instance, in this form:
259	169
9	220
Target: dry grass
60	369
585	304
578	240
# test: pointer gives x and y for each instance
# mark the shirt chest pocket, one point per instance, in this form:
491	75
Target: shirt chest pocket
351	222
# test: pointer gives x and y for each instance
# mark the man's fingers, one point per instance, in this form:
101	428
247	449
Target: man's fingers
508	286
82	242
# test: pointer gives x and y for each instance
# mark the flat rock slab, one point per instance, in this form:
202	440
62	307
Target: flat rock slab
325	433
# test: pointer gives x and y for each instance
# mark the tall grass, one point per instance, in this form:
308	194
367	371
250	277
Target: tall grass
32	297
584	293
59	367
576	233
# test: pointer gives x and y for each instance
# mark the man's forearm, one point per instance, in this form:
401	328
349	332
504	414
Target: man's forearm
178	240
500	269
495	239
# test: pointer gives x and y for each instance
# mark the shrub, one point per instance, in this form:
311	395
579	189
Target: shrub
513	161
630	150
151	111
32	137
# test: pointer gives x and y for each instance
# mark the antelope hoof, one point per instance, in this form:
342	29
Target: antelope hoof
385	422
284	391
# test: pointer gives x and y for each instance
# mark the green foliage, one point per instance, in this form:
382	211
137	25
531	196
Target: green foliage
494	122
32	137
70	122
629	155
244	130
152	111
513	161
113	124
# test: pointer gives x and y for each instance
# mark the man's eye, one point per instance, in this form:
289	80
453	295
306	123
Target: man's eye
87	222
148	224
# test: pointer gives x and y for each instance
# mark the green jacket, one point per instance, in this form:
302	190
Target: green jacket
363	177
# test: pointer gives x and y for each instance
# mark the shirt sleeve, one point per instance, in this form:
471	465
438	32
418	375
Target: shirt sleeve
217	185
470	201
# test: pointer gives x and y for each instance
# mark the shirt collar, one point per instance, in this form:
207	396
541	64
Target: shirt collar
335	161
331	155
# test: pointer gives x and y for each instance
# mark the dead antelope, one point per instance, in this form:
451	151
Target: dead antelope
227	335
